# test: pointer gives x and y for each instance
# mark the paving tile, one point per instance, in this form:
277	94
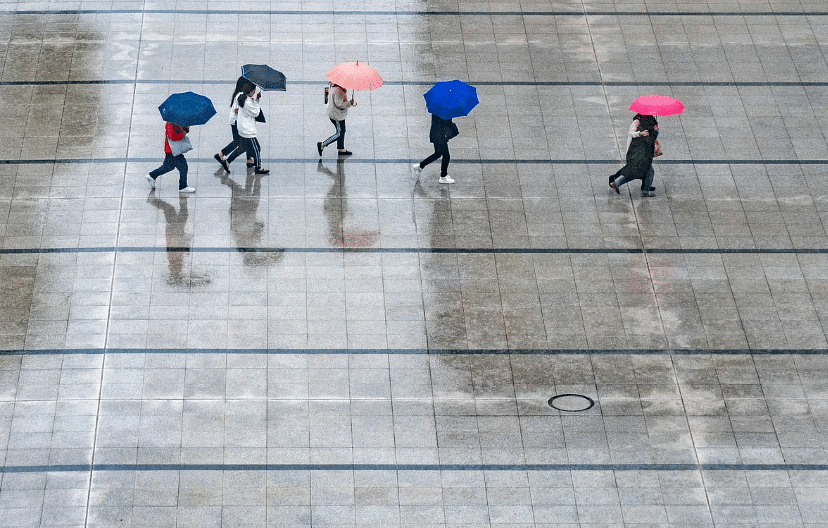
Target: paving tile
283	320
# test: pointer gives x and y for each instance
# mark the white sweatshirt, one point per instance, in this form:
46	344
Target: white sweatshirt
234	109
246	118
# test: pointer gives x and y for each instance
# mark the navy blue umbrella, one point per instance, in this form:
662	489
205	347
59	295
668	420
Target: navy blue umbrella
187	109
450	99
264	77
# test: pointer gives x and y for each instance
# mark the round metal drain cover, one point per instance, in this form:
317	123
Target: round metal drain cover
571	402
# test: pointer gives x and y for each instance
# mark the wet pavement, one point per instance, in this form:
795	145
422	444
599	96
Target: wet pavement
338	344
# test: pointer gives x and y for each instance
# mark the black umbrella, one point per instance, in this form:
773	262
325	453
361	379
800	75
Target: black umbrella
264	76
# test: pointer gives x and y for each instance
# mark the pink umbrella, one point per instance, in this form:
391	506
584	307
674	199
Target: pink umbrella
355	76
658	105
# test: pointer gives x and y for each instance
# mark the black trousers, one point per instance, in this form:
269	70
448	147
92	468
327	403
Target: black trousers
234	149
441	150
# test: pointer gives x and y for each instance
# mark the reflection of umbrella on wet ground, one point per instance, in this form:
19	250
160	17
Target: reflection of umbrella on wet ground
187	109
657	105
355	76
264	77
450	99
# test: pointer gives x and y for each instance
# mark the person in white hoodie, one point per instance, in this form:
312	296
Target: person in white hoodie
246	124
234	149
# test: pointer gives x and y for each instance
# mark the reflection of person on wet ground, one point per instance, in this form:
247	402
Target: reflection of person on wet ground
336	204
246	228
177	240
336	210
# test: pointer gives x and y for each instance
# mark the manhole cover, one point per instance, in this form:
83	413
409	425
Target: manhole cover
571	402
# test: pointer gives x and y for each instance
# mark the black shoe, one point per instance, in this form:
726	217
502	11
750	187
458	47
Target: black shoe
250	164
645	194
319	148
261	171
223	163
614	188
651	189
344	152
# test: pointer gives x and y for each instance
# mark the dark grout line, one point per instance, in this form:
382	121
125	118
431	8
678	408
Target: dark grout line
423	351
345	12
479	161
411	467
427	83
416	250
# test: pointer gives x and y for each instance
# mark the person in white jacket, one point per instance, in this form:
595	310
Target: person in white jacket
338	105
246	124
234	149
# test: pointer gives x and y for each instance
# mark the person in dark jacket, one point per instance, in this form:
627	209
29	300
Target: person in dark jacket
639	158
442	130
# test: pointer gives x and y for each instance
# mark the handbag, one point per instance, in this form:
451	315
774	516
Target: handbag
657	151
181	146
452	131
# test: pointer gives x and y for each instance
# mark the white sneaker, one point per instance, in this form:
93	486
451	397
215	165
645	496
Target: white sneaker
187	190
446	179
151	181
416	170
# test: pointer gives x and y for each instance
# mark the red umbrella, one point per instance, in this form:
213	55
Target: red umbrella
355	76
658	105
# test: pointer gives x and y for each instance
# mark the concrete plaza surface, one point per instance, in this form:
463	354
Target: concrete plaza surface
339	344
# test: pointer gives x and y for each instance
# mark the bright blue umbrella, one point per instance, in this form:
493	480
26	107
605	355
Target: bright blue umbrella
450	99
187	109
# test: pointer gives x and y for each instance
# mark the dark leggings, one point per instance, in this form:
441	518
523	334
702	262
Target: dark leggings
173	162
233	149
338	136
440	150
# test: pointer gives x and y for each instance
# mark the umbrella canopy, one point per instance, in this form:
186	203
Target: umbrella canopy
187	109
355	76
264	77
657	105
450	99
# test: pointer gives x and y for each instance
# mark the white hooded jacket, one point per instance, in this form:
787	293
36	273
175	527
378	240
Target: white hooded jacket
246	118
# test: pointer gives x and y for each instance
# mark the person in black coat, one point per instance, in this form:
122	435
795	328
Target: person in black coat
442	130
639	158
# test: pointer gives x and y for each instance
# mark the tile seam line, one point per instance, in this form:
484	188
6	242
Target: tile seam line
410	467
357	12
424	351
465	161
417	250
302	82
